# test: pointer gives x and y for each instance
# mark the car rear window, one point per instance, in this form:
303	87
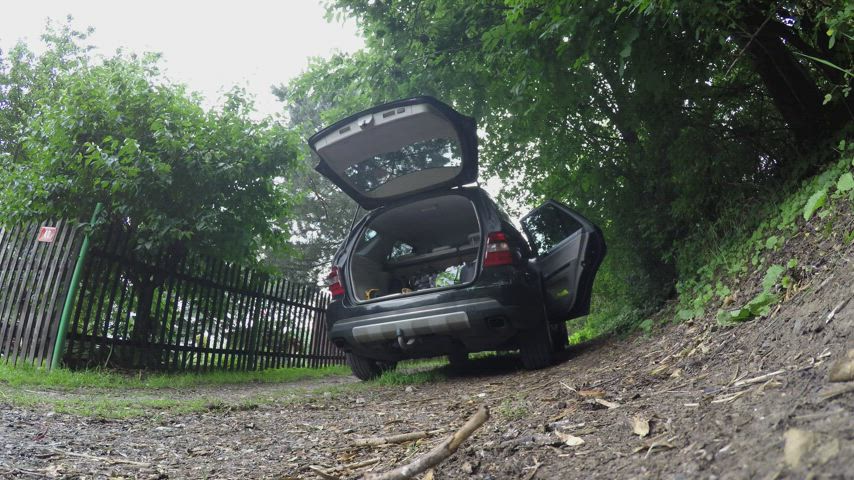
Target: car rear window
376	171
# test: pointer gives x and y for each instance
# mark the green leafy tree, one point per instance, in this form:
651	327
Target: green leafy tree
173	178
640	115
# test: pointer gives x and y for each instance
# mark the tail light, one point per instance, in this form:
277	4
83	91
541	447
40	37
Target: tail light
497	250
333	281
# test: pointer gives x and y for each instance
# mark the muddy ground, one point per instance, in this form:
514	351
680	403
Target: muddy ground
750	401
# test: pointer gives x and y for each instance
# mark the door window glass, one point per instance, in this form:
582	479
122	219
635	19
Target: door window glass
547	227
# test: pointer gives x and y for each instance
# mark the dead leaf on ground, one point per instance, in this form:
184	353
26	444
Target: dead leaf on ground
843	369
569	439
640	426
428	475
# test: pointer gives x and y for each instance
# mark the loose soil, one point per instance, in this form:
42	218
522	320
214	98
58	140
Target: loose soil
750	401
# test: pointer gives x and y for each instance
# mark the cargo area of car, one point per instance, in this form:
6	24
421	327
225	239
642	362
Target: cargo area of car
423	245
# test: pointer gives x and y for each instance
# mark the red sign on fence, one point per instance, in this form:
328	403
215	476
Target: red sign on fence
47	234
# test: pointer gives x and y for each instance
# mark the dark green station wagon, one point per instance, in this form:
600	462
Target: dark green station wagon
435	267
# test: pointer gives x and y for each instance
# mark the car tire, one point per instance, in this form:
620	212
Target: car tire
535	347
387	366
560	337
363	368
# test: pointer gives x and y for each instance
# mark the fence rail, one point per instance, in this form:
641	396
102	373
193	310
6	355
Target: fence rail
34	280
196	314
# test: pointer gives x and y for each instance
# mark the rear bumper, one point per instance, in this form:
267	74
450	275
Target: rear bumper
474	324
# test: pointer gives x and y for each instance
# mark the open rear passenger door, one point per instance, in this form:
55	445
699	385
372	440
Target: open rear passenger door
568	250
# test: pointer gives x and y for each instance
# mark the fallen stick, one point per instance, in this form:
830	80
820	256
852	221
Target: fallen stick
828	394
403	437
438	453
757	379
100	459
363	464
323	473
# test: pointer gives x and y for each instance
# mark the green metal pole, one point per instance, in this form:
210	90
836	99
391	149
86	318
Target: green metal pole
62	331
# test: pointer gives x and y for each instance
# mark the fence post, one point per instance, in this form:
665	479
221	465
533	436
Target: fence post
62	331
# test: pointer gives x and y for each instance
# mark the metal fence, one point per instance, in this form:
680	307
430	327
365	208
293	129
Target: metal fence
194	314
36	262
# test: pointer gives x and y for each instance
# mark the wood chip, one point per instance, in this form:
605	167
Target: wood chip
592	393
569	439
606	403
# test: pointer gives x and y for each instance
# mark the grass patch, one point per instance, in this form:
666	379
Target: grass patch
398	377
514	409
132	403
28	376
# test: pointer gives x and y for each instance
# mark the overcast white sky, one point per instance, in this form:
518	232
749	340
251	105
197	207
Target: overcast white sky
207	45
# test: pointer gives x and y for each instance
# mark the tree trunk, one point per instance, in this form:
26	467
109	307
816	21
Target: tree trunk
790	85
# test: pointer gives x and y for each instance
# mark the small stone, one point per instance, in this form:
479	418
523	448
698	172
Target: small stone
798	443
467	468
409	389
843	369
360	400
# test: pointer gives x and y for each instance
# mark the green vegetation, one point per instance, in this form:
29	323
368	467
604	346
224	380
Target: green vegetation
408	377
173	178
112	394
27	376
748	247
676	126
78	130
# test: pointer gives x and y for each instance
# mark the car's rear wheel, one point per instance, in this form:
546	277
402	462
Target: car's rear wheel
387	366
535	347
560	336
363	368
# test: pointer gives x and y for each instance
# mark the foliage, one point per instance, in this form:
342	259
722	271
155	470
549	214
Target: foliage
729	261
815	202
845	183
659	126
171	175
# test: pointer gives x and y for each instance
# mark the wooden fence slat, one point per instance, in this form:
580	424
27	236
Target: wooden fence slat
33	317
59	279
32	278
19	293
30	299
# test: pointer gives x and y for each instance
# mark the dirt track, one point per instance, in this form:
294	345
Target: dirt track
720	403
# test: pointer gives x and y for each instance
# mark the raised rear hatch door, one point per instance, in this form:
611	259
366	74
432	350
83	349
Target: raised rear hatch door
398	149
